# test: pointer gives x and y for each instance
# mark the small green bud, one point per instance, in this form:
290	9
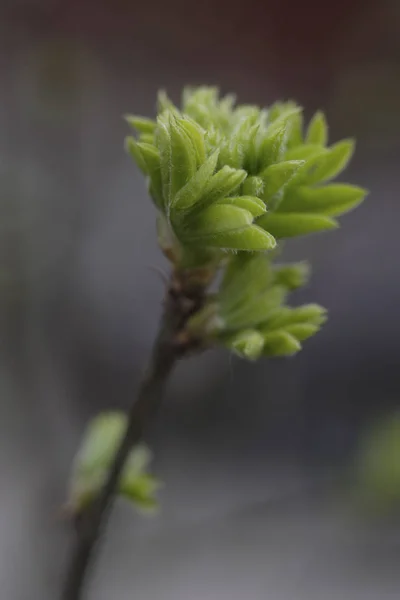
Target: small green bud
94	459
231	178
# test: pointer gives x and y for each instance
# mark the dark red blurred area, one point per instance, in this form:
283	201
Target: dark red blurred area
283	39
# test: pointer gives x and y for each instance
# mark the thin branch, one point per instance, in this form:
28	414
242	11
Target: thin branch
148	401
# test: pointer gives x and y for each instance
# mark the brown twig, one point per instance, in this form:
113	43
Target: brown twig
183	299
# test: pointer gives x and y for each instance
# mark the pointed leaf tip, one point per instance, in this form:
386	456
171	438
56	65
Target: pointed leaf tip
317	132
140	124
331	200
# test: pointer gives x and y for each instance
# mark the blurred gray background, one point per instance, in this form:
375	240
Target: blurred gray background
257	458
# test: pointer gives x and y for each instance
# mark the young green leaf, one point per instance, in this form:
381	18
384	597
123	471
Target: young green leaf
147	138
231	154
141	124
164	103
101	441
222	184
306	152
254	205
302	331
254	311
131	147
213	139
163	143
330	164
246	112
214	220
284	225
313	314
246	142
253	186
140	489
151	157
217	161
280	343
178	156
196	135
292	276
332	200
277	176
184	155
245	277
280	113
197	186
317	132
247	239
96	455
295	130
272	147
248	344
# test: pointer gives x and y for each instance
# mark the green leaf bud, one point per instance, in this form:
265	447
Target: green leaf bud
94	459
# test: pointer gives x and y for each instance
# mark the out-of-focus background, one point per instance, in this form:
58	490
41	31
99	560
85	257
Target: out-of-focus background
264	495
